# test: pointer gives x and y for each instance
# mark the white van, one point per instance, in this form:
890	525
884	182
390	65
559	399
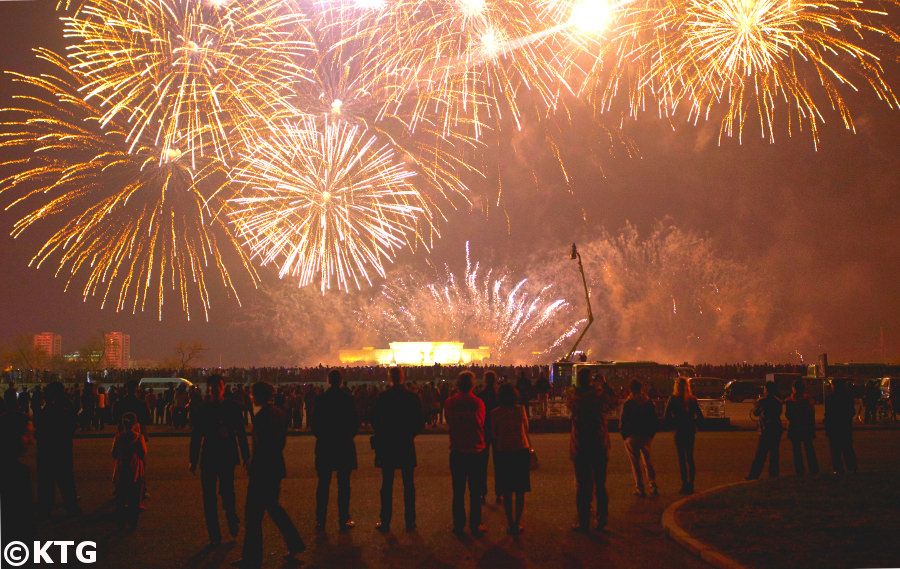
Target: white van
160	384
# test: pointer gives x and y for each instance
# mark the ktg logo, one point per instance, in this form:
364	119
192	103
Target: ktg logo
17	553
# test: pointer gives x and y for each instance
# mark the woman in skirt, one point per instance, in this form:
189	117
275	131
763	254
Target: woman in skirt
509	429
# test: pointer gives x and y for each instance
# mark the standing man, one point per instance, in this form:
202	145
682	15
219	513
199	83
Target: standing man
638	424
266	471
465	417
542	388
397	419
839	413
132	401
334	425
801	416
217	437
54	427
10	398
768	409
589	447
526	392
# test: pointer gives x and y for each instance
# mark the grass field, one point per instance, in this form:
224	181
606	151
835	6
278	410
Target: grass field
828	521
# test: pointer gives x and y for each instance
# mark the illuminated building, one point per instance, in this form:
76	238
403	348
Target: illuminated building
116	350
48	344
417	353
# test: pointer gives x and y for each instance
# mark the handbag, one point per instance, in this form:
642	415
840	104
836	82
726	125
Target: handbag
533	462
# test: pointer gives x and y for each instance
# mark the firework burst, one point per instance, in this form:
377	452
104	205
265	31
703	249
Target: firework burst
753	55
483	307
470	64
185	71
326	202
132	218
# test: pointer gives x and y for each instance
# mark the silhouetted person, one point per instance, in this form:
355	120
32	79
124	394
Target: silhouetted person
839	413
54	426
334	425
801	416
526	392
488	394
88	406
542	389
871	397
397	419
509	431
132	402
589	447
465	417
683	414
10	398
768	409
217	438
16	492
129	451
638	425
266	472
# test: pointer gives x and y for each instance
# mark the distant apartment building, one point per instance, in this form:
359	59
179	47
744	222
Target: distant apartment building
116	350
48	344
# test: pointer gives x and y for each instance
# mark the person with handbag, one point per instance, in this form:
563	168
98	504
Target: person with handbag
509	431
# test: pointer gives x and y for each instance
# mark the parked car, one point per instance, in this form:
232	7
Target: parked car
740	389
708	387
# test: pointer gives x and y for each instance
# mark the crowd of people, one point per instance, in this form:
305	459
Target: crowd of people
799	411
487	424
173	404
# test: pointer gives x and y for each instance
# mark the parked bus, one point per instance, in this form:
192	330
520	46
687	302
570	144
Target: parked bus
618	373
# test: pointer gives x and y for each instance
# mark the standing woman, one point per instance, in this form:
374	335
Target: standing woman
683	413
509	431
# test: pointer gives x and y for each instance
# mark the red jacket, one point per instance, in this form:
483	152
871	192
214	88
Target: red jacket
465	416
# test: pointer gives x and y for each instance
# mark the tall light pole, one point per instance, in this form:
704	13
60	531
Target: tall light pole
575	255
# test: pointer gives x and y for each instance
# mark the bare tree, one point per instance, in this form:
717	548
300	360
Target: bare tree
187	352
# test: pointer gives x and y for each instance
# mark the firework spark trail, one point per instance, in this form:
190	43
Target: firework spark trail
138	229
349	84
470	63
334	189
484	308
753	56
183	71
388	101
326	202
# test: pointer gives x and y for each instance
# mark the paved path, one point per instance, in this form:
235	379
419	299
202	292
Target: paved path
172	534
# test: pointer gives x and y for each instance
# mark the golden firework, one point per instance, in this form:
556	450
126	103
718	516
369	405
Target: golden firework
754	56
470	64
128	217
326	201
185	72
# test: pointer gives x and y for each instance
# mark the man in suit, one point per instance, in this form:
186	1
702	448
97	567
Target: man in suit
54	427
589	406
334	425
397	420
266	471
217	436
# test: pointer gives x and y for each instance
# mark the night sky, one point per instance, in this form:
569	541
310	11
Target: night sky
825	225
